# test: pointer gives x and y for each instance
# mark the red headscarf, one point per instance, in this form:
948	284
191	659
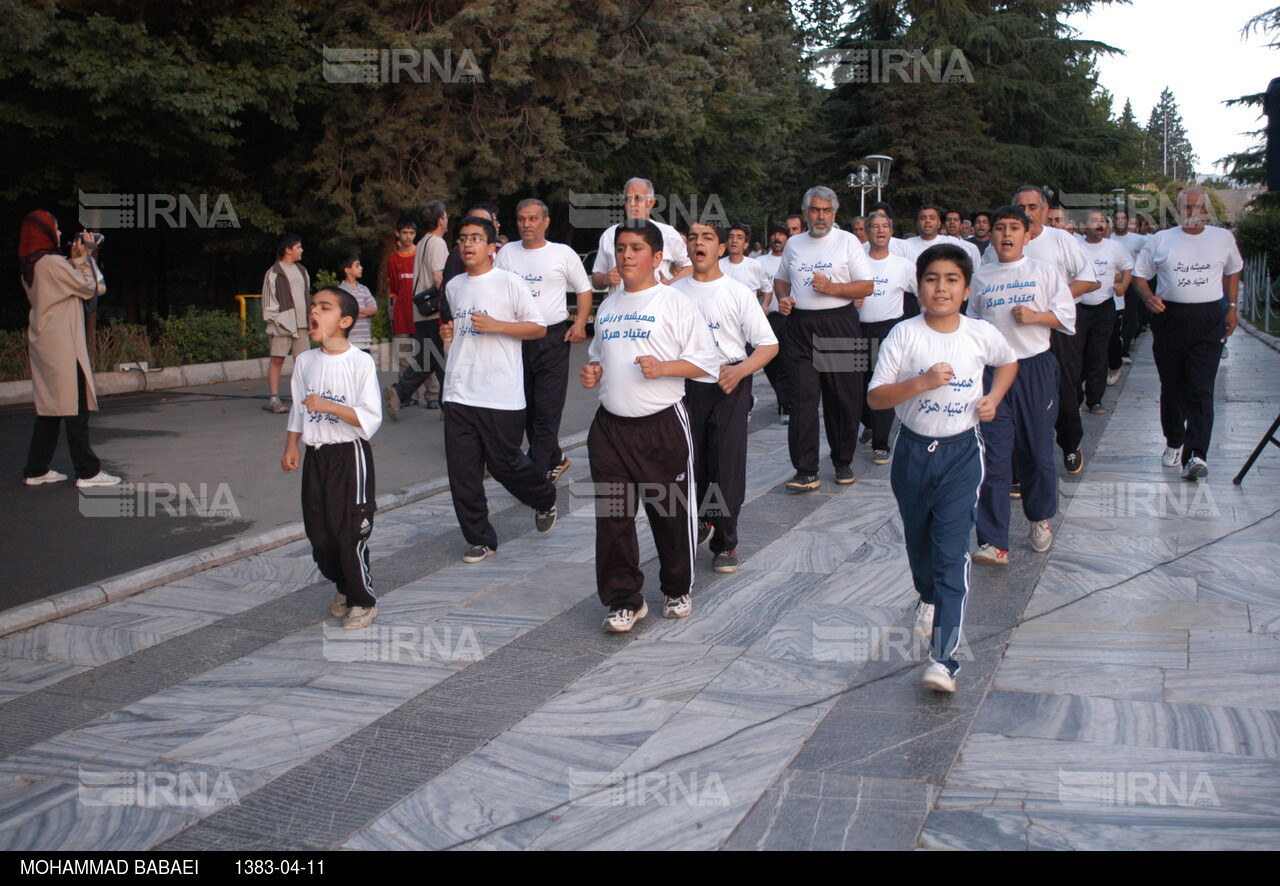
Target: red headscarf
38	239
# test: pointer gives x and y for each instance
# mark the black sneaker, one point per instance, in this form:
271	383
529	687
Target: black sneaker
1015	490
544	520
866	436
433	404
725	561
1074	461
802	482
705	531
476	553
555	473
844	474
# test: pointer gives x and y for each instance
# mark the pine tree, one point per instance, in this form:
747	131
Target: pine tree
1248	167
1174	156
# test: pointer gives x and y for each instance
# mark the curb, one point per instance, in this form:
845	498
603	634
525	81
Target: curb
1267	339
29	615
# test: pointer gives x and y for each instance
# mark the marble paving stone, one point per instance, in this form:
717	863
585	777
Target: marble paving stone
404	606
260	673
1069	678
168	786
475	577
76	644
1086	643
514	777
741	610
863	513
48	758
975	818
1070	772
1141	615
261	588
73	827
544	592
877	576
619	720
660	669
487	631
822	633
258	743
1264	620
188	599
21	675
1220	687
1125	555
161	725
123	619
693	803
1251	580
1209	730
1153	587
825	811
760	689
348	705
573	540
1234	651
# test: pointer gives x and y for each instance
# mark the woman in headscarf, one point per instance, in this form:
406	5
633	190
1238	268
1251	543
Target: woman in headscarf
60	369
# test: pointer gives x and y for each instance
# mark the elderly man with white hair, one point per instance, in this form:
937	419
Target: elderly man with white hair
822	275
638	202
1198	268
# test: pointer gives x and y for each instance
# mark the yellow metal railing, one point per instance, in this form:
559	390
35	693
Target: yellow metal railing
244	316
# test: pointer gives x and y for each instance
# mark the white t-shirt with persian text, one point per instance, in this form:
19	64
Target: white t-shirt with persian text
550	271
892	275
998	288
1058	249
486	369
769	264
1188	268
733	316
675	254
660	322
839	256
749	273
917	245
912	349
348	379
1109	258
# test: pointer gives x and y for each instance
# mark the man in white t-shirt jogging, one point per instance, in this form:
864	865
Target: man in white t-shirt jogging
718	410
1197	269
1096	311
820	275
741	267
550	270
649	338
777	370
638	200
895	280
492	313
1136	316
929	224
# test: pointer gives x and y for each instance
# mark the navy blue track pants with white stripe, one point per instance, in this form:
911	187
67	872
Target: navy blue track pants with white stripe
338	501
1021	435
936	483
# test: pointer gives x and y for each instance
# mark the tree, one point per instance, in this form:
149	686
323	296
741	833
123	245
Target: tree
1174	157
1248	167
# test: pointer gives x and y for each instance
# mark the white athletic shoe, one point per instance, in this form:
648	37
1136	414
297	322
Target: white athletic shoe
46	477
1172	458
102	478
924	621
677	607
339	607
359	617
1041	536
1195	469
619	621
938	678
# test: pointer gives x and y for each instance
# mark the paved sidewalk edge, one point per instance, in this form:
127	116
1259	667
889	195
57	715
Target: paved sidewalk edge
1267	339
29	615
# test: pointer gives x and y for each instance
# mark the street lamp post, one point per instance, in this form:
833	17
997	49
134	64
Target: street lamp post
873	173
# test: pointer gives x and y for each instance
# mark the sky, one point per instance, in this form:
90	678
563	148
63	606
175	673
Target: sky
1218	64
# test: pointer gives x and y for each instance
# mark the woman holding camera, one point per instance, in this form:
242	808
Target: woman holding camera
60	369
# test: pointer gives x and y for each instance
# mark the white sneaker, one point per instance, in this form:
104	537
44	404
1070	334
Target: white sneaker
1113	377
938	678
46	477
339	607
677	607
924	621
1171	458
359	617
619	621
1041	536
1195	469
102	478
990	555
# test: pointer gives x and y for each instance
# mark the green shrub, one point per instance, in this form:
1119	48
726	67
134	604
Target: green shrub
14	364
1258	232
324	277
380	323
206	337
121	343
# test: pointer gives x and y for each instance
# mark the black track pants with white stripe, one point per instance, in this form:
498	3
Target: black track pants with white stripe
338	501
642	461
